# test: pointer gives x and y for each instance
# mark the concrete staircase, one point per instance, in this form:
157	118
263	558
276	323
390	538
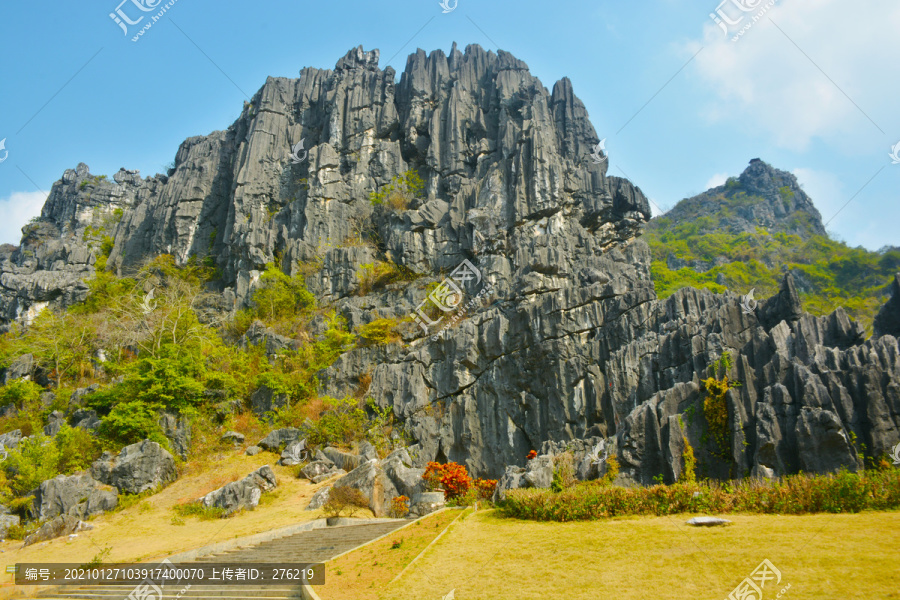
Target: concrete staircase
313	546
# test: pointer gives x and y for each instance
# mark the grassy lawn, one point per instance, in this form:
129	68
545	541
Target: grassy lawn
147	531
484	556
359	574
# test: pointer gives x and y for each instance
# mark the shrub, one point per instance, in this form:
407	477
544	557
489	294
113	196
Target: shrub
344	499
452	477
378	333
34	459
173	379
400	192
485	488
26	396
130	422
196	509
715	406
399	507
563	472
342	422
280	296
688	470
794	494
77	449
377	275
612	471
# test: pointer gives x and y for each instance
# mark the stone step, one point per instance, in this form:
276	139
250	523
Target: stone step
312	546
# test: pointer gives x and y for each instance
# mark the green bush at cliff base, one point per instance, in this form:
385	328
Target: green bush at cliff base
791	495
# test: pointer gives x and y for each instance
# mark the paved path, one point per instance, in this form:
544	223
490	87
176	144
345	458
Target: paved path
313	546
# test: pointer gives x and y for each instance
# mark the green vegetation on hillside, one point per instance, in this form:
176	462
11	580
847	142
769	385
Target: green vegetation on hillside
153	347
828	273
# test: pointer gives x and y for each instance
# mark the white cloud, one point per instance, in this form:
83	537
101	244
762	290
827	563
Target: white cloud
17	209
716	180
764	83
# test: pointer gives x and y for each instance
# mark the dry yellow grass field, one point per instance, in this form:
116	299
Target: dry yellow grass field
146	531
486	557
360	574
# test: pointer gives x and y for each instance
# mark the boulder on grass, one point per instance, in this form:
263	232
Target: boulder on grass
7	521
76	495
426	503
341	459
11	439
294	454
232	437
253	451
279	438
319	499
137	468
537	473
316	468
329	475
58	527
406	479
242	494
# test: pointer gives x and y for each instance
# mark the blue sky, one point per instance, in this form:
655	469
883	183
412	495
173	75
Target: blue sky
811	88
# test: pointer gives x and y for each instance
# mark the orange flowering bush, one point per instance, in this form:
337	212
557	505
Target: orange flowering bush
485	488
452	477
399	507
531	455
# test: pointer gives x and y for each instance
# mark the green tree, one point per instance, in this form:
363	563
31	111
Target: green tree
130	422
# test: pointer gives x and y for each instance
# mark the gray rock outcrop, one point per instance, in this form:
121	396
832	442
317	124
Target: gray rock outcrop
887	321
137	468
178	431
243	494
555	332
382	481
7	521
76	495
11	439
294	453
277	439
57	527
232	437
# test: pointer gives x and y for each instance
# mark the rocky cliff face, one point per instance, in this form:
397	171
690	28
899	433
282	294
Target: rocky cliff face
555	330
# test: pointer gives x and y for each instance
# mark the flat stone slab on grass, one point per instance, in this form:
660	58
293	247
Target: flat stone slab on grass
708	522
